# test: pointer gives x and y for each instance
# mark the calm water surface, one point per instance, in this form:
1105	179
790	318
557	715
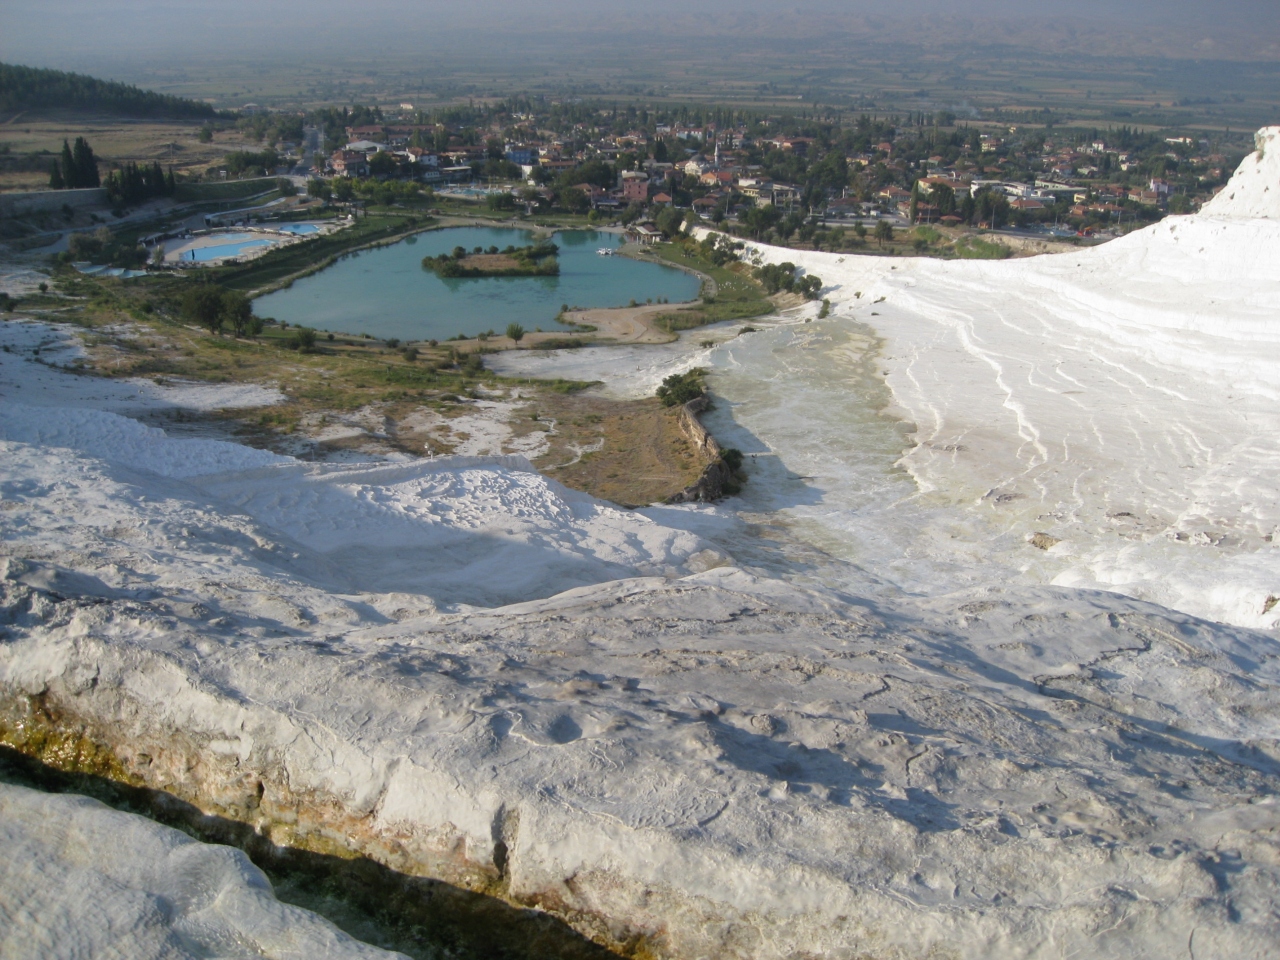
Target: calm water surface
385	292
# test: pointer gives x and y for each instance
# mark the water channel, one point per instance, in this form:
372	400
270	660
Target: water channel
386	292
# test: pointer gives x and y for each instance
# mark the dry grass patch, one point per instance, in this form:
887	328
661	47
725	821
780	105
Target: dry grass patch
633	452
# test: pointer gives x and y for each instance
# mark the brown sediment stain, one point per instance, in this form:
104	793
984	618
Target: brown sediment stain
418	894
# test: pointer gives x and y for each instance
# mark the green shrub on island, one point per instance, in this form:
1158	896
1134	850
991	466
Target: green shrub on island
536	260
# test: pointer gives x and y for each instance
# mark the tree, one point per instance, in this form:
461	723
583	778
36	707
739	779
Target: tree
237	310
67	165
759	219
515	332
383	164
680	388
574	200
915	202
206	134
944	198
670	221
808	286
884	232
992	207
85	164
203	305
319	188
55	178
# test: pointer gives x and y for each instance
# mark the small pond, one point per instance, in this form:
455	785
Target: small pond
386	292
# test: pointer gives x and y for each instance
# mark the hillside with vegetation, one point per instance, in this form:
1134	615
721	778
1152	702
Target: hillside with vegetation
30	88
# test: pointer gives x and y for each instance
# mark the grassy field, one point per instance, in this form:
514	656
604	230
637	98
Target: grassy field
631	452
738	296
115	141
975	248
224	190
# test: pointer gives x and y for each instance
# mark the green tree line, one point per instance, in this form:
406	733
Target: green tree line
133	184
25	88
76	168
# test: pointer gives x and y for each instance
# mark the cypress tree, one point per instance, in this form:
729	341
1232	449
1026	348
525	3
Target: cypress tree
86	165
68	166
170	187
55	177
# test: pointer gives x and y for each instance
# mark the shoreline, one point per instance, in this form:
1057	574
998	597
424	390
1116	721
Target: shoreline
613	325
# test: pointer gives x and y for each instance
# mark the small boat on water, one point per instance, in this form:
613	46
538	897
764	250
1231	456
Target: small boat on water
605	251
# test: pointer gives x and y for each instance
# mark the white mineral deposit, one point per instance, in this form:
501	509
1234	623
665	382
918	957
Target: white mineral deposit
1002	681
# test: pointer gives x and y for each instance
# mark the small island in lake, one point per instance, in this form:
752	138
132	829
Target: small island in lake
535	260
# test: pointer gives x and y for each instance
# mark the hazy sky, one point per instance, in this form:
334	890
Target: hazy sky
75	34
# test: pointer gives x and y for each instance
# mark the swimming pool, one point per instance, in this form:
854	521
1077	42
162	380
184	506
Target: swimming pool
223	250
297	229
97	270
470	191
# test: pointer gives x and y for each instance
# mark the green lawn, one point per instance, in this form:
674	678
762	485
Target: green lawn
738	295
224	190
729	284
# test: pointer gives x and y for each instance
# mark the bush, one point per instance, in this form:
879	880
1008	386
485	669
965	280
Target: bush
680	388
303	339
732	458
808	286
975	248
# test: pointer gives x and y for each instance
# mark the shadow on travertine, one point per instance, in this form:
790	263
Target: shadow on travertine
418	916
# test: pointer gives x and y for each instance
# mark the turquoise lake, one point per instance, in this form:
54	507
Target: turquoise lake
386	292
